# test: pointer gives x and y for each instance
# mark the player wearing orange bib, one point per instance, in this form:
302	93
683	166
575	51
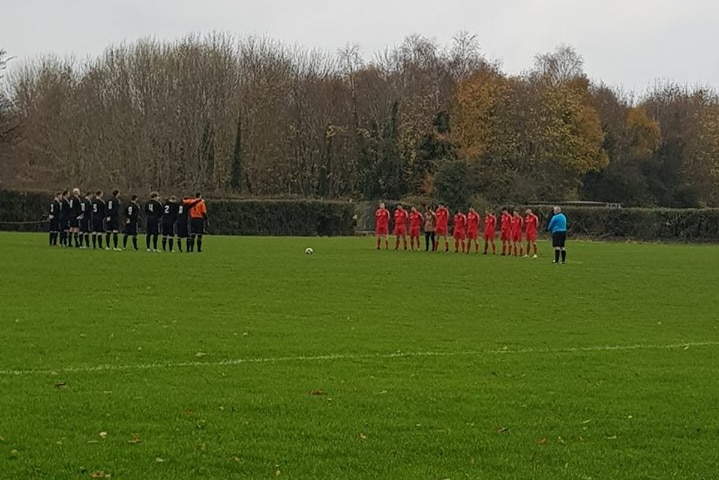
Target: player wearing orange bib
442	226
531	225
490	224
459	231
400	227
415	227
472	230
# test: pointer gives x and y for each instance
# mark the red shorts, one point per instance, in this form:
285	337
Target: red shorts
382	230
441	230
414	232
489	234
517	236
505	235
459	235
400	230
531	236
472	234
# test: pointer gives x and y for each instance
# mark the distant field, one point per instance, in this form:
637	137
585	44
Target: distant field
254	360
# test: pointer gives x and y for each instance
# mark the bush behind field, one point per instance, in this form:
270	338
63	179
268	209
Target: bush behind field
651	224
26	211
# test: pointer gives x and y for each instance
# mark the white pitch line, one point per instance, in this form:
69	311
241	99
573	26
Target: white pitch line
355	356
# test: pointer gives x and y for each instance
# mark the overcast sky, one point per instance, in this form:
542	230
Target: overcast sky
626	43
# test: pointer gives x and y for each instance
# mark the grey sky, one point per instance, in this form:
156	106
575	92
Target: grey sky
627	43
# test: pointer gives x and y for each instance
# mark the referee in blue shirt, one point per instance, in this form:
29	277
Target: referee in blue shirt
558	227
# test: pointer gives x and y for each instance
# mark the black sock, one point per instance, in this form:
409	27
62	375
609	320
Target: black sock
51	238
556	256
172	243
164	244
199	243
190	244
87	240
124	241
114	239
134	241
564	256
99	240
154	242
147	242
107	239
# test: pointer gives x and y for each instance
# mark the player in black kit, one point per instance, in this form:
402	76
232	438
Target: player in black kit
132	212
64	219
97	217
169	217
74	220
153	210
85	221
112	213
54	218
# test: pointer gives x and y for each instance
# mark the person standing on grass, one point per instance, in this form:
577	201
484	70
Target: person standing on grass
198	219
132	212
505	231
415	227
490	224
169	218
531	224
153	209
442	227
558	227
75	217
54	218
85	203
97	215
181	227
381	226
472	230
112	212
430	225
517	227
64	219
400	227
459	231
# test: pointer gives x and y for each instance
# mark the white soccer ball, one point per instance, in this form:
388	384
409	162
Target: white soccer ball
309	251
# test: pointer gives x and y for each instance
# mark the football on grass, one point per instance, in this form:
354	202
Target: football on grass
309	251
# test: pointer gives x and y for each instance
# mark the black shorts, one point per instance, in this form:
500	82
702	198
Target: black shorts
182	229
55	225
197	226
168	229
97	225
85	225
113	225
64	223
131	228
153	227
559	239
74	223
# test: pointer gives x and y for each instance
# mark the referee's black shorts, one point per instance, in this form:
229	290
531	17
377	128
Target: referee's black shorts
559	239
197	226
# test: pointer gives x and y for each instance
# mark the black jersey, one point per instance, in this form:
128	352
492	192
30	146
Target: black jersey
84	208
132	212
74	203
54	209
112	208
181	213
169	212
98	209
64	209
153	210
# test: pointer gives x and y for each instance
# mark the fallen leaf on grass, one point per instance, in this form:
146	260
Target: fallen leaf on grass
542	441
2	439
99	474
363	436
587	421
613	437
236	459
13	453
159	460
61	385
103	435
200	354
317	392
560	440
277	473
502	429
135	439
202	447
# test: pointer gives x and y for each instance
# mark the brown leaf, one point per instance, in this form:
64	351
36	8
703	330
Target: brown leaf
317	392
542	441
236	459
135	439
277	473
99	474
502	429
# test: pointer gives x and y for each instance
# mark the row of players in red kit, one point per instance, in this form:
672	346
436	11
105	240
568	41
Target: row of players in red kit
465	229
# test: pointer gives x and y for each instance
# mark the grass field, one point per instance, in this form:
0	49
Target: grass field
254	360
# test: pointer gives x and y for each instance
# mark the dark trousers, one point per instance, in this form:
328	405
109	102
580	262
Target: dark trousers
428	237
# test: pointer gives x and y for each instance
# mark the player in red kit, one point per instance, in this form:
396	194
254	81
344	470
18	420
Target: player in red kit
505	232
490	224
459	231
531	225
381	225
442	226
472	230
415	227
400	227
517	226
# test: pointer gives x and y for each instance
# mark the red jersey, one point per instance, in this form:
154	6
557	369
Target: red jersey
381	218
531	223
415	220
506	222
517	223
473	222
442	218
460	222
400	217
490	223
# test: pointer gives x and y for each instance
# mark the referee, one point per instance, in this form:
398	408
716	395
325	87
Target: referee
558	227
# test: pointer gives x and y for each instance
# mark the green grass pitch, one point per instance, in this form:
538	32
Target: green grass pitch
254	360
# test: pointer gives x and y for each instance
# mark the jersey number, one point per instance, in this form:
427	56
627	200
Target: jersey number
151	207
94	207
167	209
129	210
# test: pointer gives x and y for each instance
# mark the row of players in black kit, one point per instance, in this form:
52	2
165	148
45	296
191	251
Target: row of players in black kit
85	220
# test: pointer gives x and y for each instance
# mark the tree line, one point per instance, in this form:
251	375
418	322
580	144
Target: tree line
254	117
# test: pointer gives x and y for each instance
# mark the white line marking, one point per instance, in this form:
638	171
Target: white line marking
355	356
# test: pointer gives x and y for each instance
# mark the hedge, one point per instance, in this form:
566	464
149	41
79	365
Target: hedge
26	211
650	224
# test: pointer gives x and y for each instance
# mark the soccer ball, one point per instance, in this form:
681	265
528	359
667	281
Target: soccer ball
309	251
